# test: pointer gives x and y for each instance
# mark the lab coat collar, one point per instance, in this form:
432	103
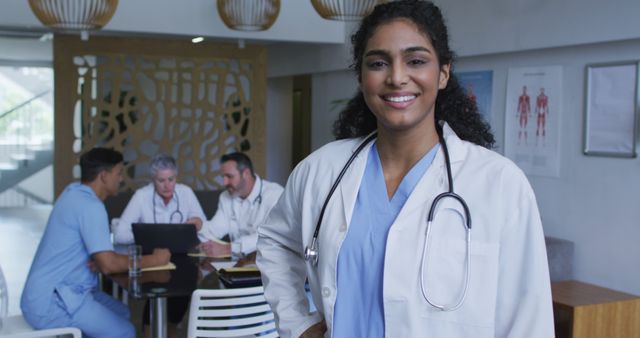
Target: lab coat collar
159	200
457	150
255	191
351	181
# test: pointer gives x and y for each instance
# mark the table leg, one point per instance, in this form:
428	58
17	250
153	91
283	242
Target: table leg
114	290
159	317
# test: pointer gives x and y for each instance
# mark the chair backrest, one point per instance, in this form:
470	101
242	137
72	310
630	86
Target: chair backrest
223	313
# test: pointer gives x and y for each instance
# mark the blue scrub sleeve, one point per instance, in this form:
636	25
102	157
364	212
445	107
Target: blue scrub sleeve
94	228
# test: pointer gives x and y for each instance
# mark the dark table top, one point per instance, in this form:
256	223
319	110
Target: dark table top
191	273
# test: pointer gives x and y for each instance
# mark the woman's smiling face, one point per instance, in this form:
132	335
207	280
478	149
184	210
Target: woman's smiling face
401	76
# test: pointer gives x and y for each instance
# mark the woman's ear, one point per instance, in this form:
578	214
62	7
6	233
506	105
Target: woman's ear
444	76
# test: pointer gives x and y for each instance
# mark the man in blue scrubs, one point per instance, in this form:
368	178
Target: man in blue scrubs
61	289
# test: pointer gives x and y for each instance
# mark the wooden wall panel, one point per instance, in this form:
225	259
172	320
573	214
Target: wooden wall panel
143	96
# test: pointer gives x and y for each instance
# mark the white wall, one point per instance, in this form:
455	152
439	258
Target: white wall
481	27
25	51
327	87
279	128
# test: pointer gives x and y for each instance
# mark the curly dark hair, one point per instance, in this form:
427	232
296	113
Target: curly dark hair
452	105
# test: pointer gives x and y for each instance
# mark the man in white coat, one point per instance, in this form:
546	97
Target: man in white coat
242	208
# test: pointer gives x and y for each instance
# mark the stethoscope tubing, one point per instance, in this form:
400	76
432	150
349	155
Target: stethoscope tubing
311	253
176	212
467	270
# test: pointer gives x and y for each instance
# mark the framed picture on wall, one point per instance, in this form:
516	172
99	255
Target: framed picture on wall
612	109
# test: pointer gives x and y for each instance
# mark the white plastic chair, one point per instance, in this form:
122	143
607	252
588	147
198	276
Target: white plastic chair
17	327
221	313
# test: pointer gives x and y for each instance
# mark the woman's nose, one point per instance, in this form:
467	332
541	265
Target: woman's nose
397	75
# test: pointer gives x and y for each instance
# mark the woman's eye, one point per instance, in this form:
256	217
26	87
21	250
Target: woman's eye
376	64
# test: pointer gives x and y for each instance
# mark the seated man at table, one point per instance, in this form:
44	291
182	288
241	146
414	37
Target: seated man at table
61	289
242	207
161	201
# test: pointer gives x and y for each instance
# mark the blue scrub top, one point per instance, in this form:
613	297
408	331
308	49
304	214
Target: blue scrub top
77	228
359	309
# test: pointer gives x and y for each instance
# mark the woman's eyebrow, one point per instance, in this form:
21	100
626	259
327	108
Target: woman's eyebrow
376	52
417	49
381	52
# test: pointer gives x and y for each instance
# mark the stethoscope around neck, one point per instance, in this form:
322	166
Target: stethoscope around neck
258	198
311	253
176	212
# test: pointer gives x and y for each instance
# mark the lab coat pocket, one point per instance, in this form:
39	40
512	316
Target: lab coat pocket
444	281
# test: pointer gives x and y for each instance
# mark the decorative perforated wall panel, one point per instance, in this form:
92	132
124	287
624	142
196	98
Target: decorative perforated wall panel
196	102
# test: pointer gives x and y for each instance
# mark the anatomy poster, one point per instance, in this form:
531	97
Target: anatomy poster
532	119
479	87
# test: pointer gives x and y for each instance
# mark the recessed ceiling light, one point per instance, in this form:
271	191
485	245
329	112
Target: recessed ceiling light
197	39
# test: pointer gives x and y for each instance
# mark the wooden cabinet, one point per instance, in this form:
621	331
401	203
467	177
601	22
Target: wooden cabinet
584	310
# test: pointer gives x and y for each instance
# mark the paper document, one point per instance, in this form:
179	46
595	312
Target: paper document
248	268
168	266
223	265
202	254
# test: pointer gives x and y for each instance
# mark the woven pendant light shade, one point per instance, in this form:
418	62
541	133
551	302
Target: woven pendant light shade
344	10
249	15
74	14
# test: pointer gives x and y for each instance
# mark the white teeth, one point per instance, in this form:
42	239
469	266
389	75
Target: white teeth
400	98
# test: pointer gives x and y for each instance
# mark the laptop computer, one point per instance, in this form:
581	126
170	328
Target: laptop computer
178	238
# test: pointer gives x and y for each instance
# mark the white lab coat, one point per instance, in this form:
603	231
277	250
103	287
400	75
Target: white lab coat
141	209
241	217
509	288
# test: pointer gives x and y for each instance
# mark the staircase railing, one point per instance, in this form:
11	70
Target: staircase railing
17	131
22	133
20	105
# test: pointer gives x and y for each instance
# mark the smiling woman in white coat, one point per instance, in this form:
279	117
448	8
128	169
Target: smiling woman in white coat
408	225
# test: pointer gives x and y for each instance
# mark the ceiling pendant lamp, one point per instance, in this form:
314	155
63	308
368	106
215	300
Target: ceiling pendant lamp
249	15
344	10
74	15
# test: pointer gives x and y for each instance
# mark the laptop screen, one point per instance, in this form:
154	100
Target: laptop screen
178	238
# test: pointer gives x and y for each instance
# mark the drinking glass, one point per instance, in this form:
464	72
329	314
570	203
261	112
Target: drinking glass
135	256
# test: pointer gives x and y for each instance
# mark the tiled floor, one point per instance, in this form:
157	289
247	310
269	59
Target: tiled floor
20	232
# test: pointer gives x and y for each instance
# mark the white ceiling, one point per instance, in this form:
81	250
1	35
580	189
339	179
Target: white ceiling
297	21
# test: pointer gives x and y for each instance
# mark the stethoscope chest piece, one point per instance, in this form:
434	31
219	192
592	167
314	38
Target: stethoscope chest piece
311	252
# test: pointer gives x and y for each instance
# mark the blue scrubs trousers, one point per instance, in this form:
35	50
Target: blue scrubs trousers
99	316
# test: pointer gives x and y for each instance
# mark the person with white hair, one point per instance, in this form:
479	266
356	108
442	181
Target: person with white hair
161	201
